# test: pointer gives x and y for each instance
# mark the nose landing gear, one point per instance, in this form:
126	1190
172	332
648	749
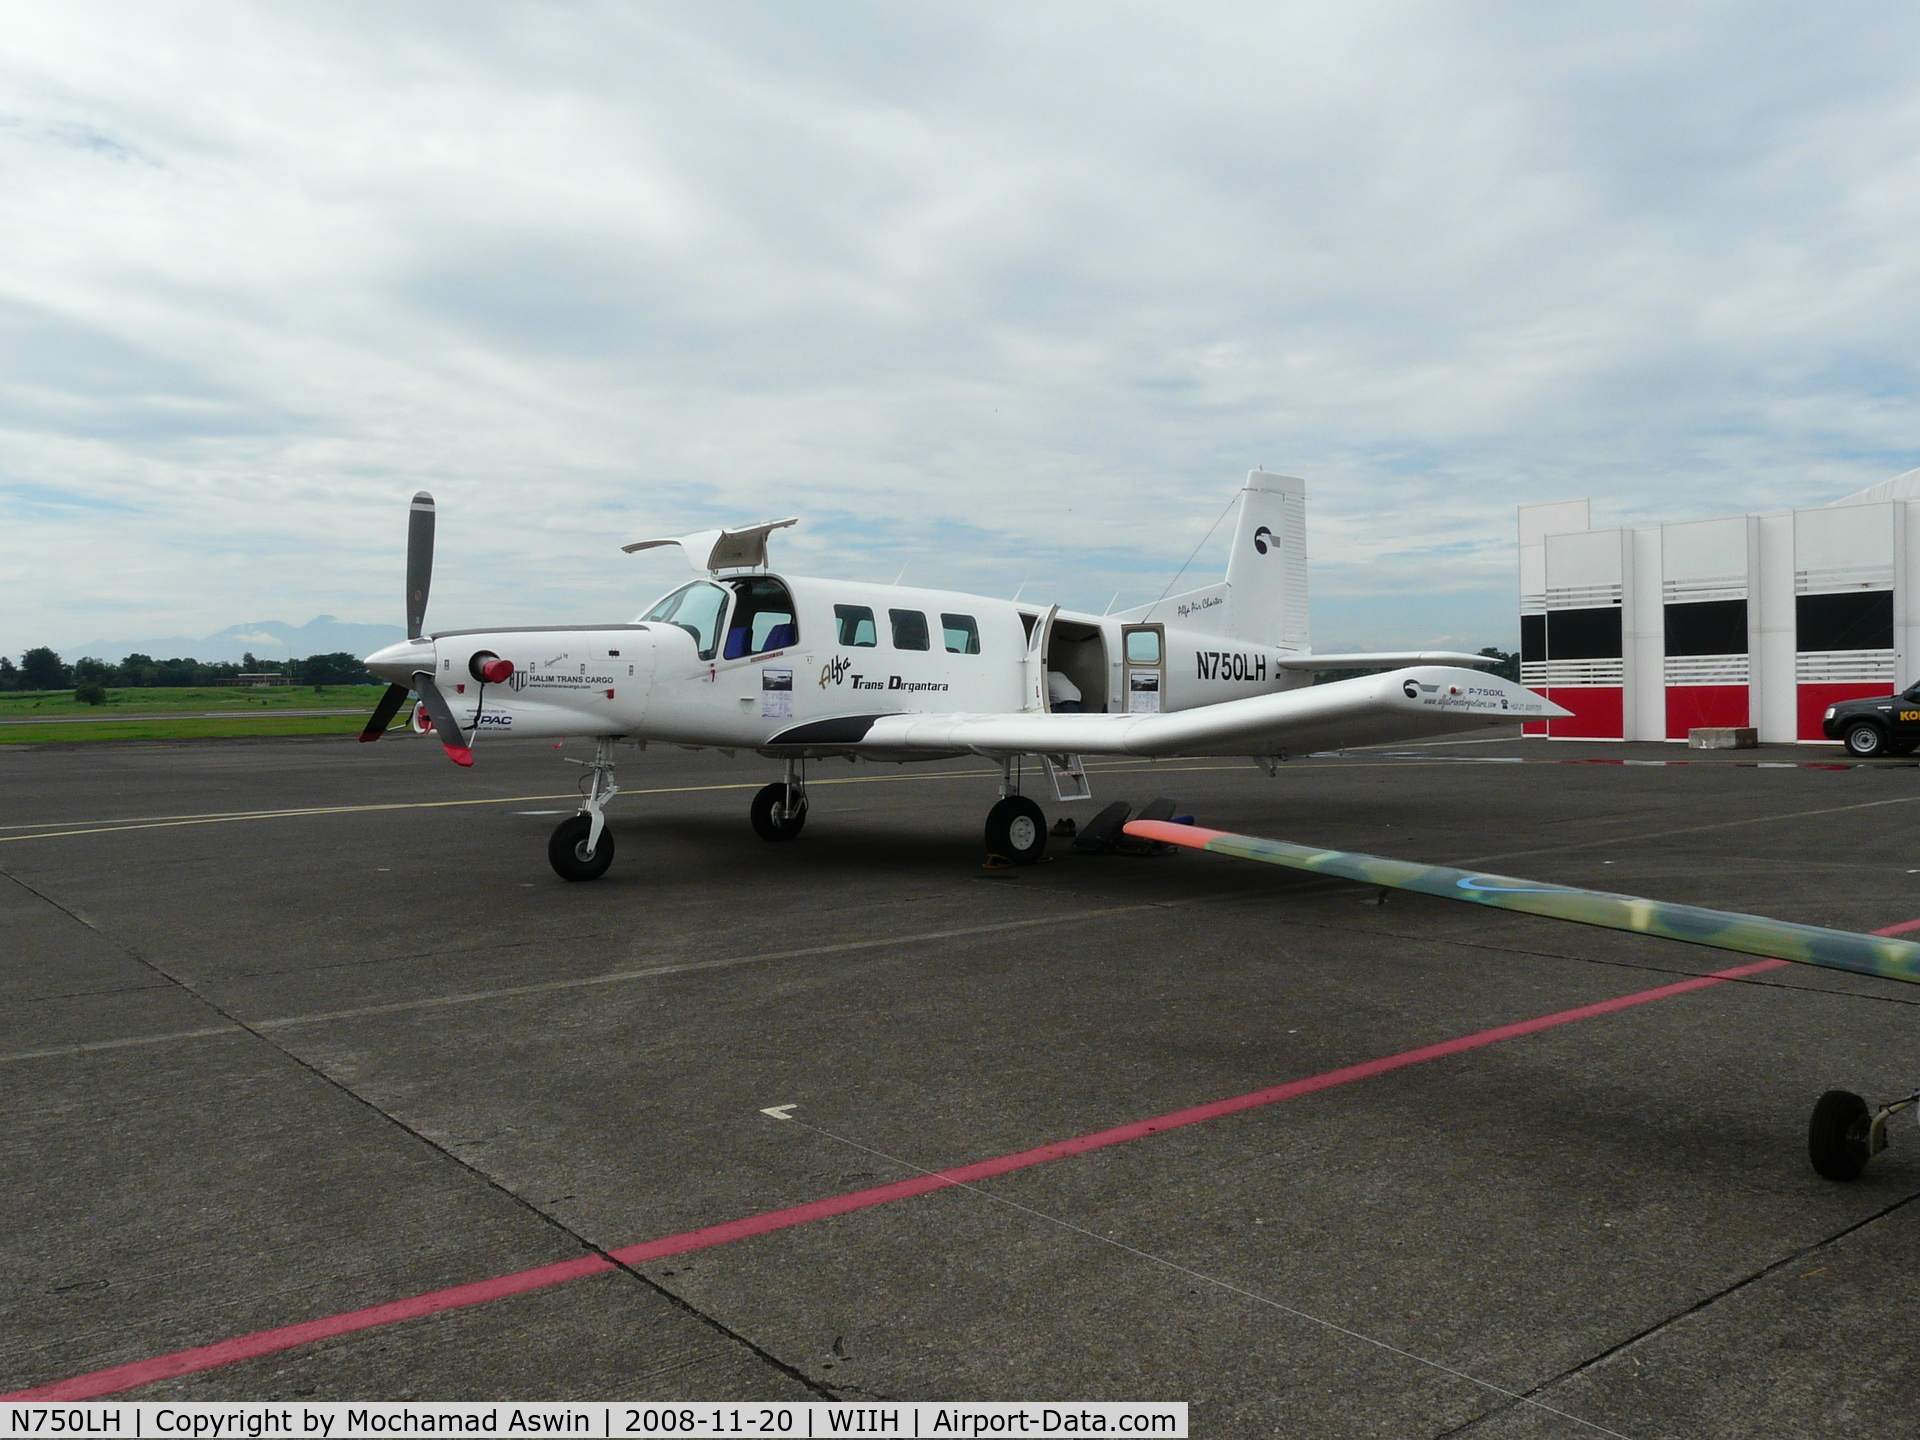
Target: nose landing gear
581	847
1845	1132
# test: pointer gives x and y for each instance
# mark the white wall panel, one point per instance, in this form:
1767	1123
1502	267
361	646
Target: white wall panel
1536	523
1558	518
1906	594
1773	701
1584	569
1843	547
1705	559
1643	628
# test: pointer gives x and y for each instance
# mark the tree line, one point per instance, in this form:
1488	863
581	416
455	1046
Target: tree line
42	669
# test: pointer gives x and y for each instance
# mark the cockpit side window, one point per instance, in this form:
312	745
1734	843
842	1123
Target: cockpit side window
696	609
762	618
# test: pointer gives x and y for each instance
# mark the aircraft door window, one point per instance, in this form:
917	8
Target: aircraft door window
962	633
909	630
1143	647
855	624
696	609
763	618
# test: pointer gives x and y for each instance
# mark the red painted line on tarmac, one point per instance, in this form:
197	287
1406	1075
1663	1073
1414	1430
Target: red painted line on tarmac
266	1342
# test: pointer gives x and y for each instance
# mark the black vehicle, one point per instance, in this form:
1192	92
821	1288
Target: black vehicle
1878	724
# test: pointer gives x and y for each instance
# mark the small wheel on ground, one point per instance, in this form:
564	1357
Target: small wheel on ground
1016	830
769	815
567	850
1866	738
1902	747
1838	1133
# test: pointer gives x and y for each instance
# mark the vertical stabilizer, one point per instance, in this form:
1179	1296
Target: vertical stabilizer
1267	567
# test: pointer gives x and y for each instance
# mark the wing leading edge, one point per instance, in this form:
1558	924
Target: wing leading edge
1406	704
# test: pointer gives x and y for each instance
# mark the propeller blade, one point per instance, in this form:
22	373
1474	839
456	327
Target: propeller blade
419	563
444	725
384	712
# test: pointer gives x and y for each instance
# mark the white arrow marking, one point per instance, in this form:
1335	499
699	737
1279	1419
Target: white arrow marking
779	1112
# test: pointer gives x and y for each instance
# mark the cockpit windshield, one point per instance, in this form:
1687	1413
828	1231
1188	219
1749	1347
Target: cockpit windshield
696	609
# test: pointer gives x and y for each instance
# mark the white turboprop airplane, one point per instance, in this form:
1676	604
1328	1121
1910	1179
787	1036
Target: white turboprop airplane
797	669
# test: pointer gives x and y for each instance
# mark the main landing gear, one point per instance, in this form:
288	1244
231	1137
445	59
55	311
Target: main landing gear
1016	830
582	847
1846	1132
780	810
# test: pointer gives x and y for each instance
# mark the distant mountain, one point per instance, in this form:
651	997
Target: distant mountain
266	639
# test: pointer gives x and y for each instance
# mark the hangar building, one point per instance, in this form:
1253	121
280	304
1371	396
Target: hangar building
1761	620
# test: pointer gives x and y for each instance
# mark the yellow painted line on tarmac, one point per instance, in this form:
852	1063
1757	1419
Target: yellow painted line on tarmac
160	822
42	830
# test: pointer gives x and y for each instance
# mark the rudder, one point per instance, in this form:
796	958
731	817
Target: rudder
1267	567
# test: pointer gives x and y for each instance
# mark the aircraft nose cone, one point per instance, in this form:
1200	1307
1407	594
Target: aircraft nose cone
396	664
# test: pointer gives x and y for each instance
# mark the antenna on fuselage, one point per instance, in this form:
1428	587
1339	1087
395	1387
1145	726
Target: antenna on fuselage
1023	585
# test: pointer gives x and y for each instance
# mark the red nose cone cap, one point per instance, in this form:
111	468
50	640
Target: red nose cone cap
496	671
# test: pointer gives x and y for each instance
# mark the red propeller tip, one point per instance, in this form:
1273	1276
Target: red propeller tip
459	754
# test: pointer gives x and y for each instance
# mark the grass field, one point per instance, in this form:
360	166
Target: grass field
198	699
198	713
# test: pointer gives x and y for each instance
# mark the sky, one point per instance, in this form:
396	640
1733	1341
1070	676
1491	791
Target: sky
989	295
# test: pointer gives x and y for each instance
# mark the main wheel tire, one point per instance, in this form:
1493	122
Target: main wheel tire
1016	830
769	814
567	850
1837	1135
1866	739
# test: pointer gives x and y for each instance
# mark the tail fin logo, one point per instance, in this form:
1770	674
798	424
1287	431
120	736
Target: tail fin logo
1260	539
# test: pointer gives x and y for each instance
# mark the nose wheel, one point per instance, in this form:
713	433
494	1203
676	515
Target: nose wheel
573	852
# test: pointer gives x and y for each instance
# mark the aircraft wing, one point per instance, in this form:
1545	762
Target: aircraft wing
1407	704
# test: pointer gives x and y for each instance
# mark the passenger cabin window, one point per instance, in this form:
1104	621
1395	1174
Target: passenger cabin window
909	630
1143	647
855	624
962	634
696	609
762	618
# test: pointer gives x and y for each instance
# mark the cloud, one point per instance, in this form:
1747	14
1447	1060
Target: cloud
1006	294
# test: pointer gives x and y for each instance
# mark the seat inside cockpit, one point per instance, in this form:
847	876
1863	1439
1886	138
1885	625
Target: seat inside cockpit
762	618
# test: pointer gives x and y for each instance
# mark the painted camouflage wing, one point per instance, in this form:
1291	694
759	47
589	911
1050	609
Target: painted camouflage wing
1723	930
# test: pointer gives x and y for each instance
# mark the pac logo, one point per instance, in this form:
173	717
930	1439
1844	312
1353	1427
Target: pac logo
1260	539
